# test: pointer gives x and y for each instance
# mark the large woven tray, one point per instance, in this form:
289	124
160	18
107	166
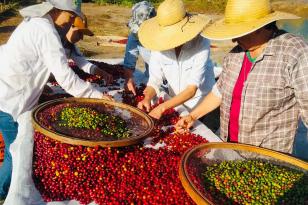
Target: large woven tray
206	154
145	123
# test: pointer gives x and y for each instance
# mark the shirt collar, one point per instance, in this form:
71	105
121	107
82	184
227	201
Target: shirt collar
48	17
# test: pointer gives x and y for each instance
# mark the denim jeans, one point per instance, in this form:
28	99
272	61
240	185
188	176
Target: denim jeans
133	50
301	142
8	129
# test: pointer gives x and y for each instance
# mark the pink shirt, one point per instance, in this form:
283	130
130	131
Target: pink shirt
236	98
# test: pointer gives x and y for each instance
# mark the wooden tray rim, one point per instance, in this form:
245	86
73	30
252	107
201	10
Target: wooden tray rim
195	194
76	141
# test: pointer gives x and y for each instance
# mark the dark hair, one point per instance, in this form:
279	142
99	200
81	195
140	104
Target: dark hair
152	14
271	26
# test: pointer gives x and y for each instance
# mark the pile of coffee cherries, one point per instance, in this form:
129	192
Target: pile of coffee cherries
88	118
255	182
128	175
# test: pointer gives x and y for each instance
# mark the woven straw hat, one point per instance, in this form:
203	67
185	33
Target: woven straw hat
243	17
172	26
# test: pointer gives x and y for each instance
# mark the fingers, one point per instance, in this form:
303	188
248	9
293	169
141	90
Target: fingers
140	106
130	86
180	123
147	107
143	105
184	124
108	78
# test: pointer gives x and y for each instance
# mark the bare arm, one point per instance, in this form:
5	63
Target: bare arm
179	99
149	94
208	104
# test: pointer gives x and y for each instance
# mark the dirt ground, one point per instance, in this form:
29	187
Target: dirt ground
111	20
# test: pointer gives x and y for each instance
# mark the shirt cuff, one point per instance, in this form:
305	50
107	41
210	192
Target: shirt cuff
216	91
129	68
194	82
92	69
96	94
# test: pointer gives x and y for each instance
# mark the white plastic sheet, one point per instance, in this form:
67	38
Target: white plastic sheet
22	190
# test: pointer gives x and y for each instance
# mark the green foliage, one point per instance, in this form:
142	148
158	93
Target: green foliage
21	2
213	6
124	2
8	6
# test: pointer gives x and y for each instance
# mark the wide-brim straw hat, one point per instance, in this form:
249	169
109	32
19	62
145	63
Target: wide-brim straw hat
172	26
243	17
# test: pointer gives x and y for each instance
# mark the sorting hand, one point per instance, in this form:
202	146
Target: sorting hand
145	105
130	86
129	81
184	124
157	112
108	78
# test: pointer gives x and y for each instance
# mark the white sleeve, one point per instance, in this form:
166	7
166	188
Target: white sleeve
156	74
82	62
201	64
54	58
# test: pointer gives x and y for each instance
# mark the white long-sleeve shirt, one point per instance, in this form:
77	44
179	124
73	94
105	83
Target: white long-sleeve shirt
193	67
80	60
33	51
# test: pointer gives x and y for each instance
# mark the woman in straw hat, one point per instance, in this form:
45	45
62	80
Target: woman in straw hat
33	51
179	55
264	84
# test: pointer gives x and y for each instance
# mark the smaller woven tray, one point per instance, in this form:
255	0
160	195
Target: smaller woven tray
206	154
140	124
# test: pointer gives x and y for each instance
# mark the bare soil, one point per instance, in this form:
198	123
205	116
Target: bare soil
111	20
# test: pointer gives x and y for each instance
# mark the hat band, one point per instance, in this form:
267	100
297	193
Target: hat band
188	16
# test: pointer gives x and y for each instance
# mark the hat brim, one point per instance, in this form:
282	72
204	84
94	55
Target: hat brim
37	10
86	32
158	38
221	30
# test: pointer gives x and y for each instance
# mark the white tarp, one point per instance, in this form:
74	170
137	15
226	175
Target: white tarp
22	190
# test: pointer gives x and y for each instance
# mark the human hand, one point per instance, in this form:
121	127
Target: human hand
145	105
130	86
108	78
157	112
129	81
184	124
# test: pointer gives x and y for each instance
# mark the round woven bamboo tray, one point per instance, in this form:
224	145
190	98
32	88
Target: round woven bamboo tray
147	123
200	153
